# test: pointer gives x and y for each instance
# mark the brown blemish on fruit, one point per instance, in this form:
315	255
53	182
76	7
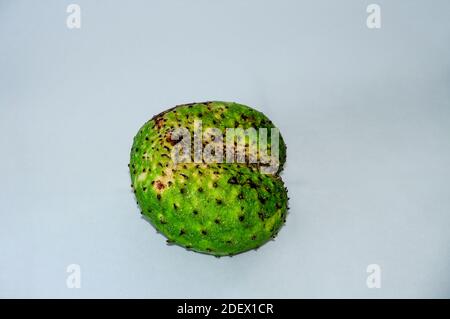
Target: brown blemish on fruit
166	178
159	122
159	185
169	139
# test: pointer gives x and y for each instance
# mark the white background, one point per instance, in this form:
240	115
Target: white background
365	114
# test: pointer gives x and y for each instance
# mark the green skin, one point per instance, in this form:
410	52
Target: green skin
219	209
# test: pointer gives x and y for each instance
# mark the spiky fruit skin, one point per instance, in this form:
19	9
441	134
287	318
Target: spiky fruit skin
219	209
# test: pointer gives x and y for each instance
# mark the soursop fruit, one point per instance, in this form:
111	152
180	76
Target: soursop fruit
217	208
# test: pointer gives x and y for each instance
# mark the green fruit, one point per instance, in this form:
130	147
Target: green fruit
214	208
